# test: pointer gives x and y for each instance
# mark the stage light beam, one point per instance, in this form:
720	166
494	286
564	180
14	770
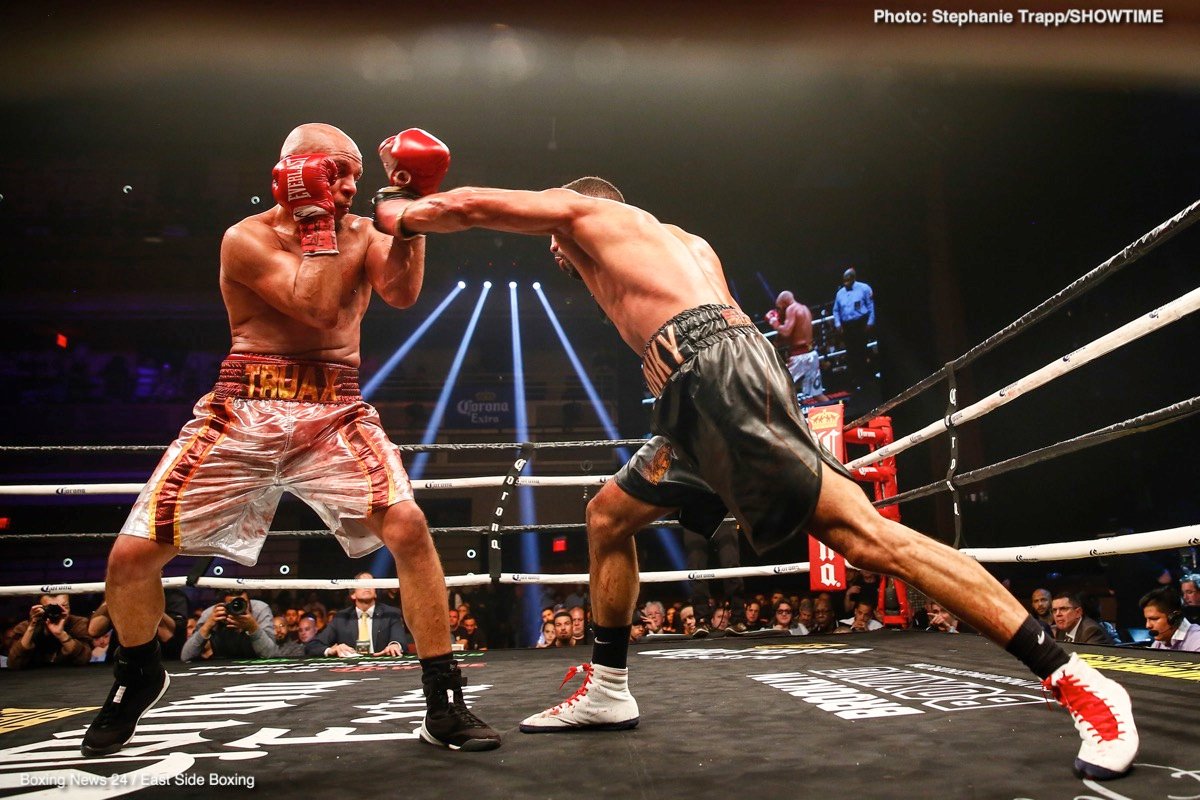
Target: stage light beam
439	410
394	360
531	605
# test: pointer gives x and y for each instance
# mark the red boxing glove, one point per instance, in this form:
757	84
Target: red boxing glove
773	318
301	184
415	160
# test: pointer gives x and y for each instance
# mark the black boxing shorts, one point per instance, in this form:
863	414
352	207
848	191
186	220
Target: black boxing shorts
728	406
656	476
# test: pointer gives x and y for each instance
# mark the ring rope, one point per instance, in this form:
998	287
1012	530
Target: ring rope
1130	253
1131	331
1145	422
1186	536
404	448
477	530
76	489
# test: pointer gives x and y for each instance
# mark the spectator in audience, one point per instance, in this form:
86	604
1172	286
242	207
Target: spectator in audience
653	615
941	620
366	628
456	630
51	636
288	644
671	621
687	621
318	612
1189	587
1167	624
637	631
824	620
864	616
1039	601
237	627
101	645
562	629
306	631
749	620
804	612
546	640
579	627
472	637
292	618
1070	623
719	619
99	624
784	619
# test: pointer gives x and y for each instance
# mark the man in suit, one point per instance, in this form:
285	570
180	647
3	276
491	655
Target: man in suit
364	629
1070	624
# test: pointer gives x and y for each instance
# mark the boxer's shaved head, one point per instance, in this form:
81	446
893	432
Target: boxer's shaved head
317	137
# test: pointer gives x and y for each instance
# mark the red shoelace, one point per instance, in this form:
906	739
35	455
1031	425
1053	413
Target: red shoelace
1085	704
586	669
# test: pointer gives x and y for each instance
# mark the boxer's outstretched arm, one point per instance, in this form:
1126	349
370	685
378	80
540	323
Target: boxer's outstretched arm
513	211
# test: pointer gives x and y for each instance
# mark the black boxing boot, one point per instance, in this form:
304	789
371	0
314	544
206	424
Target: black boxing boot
448	721
140	682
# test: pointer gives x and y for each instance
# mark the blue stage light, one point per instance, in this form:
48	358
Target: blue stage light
403	350
439	410
531	607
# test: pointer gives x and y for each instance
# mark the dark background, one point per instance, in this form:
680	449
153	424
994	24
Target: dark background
967	174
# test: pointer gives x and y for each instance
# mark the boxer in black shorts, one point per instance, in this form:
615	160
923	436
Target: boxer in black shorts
726	404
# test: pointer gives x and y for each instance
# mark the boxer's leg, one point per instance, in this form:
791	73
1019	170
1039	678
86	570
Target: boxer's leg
448	721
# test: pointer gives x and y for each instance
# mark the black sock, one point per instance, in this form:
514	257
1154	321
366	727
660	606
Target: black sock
1036	648
611	646
441	663
143	655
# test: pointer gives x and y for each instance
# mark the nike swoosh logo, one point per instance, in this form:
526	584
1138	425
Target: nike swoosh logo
1041	637
601	641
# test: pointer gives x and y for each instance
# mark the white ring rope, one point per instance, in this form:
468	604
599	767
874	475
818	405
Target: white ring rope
77	489
1186	536
1158	318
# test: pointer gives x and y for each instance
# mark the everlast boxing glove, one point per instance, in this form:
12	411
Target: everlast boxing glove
416	162
301	184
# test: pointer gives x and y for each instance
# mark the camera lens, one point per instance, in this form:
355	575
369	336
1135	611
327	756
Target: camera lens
237	606
54	612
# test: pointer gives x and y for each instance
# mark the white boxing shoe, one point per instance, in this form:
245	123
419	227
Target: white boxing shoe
601	703
1103	716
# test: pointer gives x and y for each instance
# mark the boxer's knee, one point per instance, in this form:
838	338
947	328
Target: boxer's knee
606	525
404	528
135	559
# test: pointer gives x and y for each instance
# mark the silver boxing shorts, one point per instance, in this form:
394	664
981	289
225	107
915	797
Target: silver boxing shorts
271	425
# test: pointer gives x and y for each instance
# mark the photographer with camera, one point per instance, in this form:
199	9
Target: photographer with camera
237	627
51	635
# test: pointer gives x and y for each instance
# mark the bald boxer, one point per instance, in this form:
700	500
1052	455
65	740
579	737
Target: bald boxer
286	415
794	325
726	405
